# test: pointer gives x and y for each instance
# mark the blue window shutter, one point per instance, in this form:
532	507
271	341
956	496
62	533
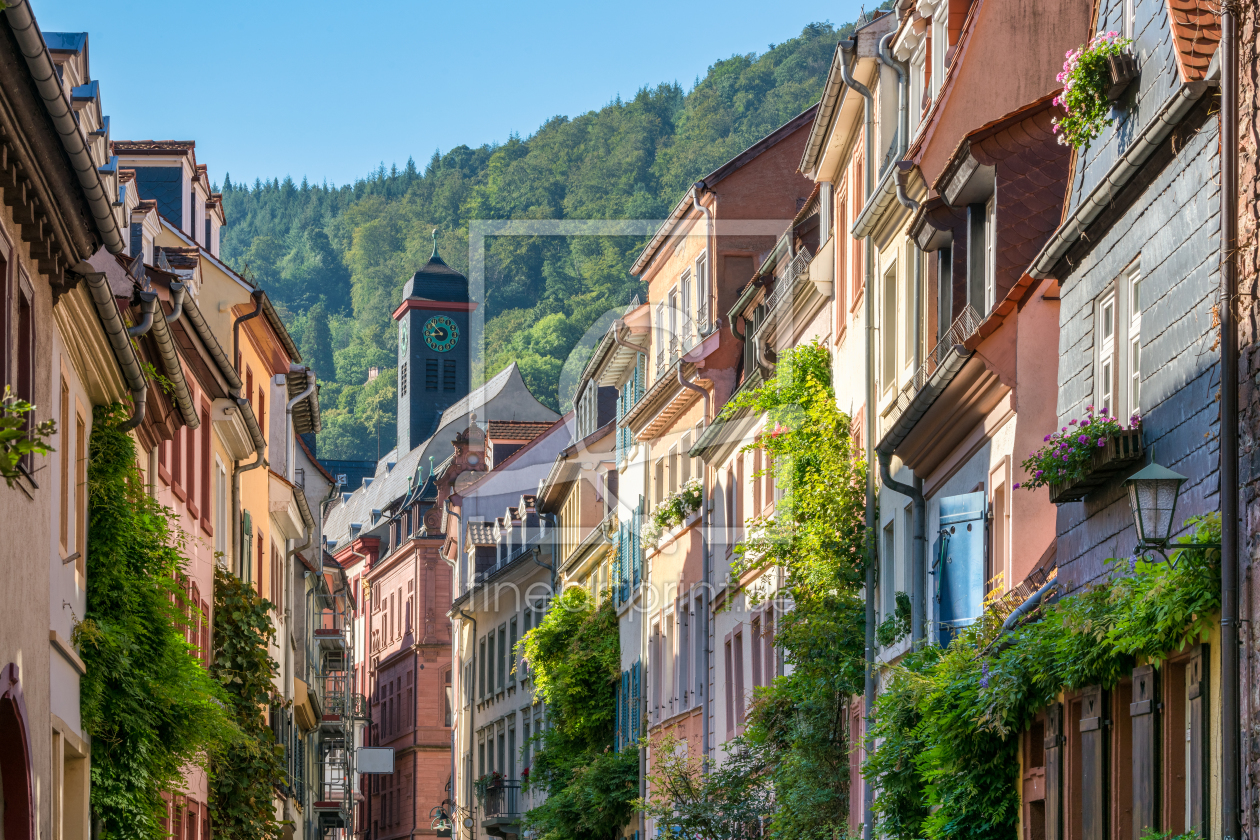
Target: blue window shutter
635	701
959	564
617	728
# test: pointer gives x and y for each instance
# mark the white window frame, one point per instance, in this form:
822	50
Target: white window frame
1133	343
888	343
990	254
1105	364
702	291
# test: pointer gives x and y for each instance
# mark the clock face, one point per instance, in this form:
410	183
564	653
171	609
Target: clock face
441	333
402	338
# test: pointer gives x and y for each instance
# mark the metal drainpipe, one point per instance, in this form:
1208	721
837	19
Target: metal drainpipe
1231	769
868	310
177	301
903	95
237	469
472	703
236	324
918	559
458	707
708	241
918	571
148	306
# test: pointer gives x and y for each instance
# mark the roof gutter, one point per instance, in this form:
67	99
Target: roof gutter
212	346
868	791
120	342
35	51
1120	174
161	330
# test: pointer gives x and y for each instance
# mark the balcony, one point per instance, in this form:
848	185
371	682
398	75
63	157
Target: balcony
939	360
330	629
333	788
501	808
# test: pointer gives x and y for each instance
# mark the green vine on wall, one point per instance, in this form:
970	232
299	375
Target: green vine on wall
948	721
147	702
242	786
16	439
575	662
798	727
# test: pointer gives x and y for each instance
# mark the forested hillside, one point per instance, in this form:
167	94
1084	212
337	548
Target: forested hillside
334	259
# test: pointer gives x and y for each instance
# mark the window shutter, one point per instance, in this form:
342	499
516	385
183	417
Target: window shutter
636	692
1054	772
206	653
617	727
625	708
1144	714
1197	743
959	565
1094	742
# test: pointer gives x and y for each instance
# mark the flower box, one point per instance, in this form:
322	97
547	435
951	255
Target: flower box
1122	449
1123	69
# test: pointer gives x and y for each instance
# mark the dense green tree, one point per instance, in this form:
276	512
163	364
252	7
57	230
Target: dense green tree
316	346
354	246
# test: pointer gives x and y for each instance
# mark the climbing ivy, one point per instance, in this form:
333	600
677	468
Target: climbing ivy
575	662
243	782
798	726
948	720
149	706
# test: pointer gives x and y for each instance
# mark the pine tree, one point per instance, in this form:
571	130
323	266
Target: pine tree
316	346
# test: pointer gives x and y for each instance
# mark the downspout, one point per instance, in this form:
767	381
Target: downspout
116	332
691	386
918	559
903	96
708	243
472	705
455	673
31	42
148	305
868	310
236	323
177	302
243	404
1231	767
260	447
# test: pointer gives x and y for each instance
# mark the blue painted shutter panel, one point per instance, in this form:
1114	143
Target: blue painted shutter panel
635	701
617	728
959	564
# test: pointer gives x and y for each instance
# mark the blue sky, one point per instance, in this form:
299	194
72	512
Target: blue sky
329	90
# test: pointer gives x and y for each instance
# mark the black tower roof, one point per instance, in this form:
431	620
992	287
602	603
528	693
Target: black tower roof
436	281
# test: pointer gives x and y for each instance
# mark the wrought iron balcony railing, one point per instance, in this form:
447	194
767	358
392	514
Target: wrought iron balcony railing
502	801
963	328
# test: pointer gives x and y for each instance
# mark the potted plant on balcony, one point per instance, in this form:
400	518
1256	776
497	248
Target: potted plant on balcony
486	783
674	509
1083	455
1093	77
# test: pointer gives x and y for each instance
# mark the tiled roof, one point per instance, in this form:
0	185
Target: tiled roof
515	429
481	533
185	258
437	281
1032	173
1196	30
388	484
124	146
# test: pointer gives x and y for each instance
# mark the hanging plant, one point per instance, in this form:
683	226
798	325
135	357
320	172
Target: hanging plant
674	510
1088	83
1068	454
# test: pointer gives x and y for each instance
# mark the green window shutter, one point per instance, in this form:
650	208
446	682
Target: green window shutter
1054	772
1197	758
1144	718
959	567
1094	764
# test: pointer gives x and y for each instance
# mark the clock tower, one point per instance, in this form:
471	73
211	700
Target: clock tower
433	349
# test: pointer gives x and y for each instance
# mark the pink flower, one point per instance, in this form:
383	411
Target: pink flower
1017	485
1102	410
1089	408
1102	441
1072	422
1045	439
1083	439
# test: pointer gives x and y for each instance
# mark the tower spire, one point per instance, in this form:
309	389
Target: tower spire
435	253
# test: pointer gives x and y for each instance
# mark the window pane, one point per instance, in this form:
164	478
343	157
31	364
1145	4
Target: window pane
1135	366
1108	319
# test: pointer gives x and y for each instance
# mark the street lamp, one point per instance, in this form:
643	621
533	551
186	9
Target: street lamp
440	822
1153	494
